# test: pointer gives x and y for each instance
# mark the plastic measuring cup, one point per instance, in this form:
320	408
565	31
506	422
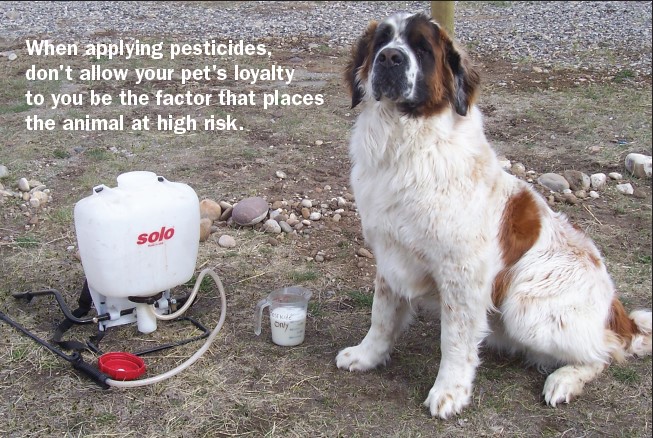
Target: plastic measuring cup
288	308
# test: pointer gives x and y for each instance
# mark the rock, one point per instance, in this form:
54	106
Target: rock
41	196
640	193
210	209
306	203
342	202
12	56
280	174
577	180
639	165
319	142
250	211
285	227
518	169
292	220
306	222
34	203
594	195
505	163
226	241
226	214
277	205
598	180
306	213
272	226
23	185
570	198
616	176
4	172
319	257
626	189
336	218
225	205
315	216
554	182
205	229
362	252
581	194
274	214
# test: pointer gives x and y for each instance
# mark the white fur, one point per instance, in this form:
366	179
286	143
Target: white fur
431	195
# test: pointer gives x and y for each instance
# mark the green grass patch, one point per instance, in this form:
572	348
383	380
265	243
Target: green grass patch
17	108
361	299
624	375
302	276
27	241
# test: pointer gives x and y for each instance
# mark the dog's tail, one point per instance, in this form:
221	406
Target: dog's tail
634	330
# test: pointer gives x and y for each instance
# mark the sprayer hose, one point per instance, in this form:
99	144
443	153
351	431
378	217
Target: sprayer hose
191	360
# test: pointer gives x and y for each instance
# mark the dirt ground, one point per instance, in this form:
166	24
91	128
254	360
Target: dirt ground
550	121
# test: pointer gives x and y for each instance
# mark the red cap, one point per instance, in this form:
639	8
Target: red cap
121	366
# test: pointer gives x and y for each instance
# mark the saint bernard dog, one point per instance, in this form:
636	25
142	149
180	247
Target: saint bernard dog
448	225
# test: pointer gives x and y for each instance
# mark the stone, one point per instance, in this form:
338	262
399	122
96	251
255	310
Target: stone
41	196
306	222
319	257
280	174
274	214
285	227
336	217
23	185
626	189
598	180
292	220
226	214
553	182
205	229
315	216
362	252
306	213
615	176
272	226
319	142
4	172
518	169
225	205
250	211
570	198
594	195
306	203
581	194
34	203
577	180
639	165
277	205
226	241
210	209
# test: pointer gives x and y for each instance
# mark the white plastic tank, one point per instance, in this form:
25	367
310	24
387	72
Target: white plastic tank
139	238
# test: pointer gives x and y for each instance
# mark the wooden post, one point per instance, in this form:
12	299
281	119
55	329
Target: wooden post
442	12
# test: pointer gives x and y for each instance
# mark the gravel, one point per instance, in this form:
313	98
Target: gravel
598	36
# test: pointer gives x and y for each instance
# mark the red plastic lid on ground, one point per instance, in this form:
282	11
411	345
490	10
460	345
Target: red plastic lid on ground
121	366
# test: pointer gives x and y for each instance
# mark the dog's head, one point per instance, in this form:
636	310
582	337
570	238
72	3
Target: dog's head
409	60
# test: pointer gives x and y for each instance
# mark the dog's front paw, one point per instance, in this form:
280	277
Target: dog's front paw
444	402
360	358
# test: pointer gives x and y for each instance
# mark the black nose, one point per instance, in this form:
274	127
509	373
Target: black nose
391	57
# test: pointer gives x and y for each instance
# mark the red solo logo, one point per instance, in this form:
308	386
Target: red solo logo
156	237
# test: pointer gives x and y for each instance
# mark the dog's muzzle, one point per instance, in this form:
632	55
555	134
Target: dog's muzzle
389	74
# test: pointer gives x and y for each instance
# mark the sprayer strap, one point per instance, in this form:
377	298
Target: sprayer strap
84	302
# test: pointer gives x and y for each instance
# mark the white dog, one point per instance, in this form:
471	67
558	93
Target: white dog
448	225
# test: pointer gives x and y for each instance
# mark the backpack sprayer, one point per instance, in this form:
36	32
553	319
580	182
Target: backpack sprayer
136	242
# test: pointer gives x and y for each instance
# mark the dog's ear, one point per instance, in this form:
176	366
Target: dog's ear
465	77
359	57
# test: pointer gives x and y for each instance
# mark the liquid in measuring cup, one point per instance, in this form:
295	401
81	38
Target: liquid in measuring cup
288	325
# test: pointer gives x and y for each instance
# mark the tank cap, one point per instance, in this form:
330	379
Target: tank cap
121	366
136	179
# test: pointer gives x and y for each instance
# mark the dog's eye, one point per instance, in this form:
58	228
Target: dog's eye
423	48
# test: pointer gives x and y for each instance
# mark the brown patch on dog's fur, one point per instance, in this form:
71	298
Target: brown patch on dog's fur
620	323
520	229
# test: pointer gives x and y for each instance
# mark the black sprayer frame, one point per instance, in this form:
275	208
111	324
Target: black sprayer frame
76	317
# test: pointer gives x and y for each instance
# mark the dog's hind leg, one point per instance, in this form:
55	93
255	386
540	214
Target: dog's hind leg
567	382
390	316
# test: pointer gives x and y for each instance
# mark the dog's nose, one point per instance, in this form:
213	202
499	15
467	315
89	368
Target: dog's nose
391	57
